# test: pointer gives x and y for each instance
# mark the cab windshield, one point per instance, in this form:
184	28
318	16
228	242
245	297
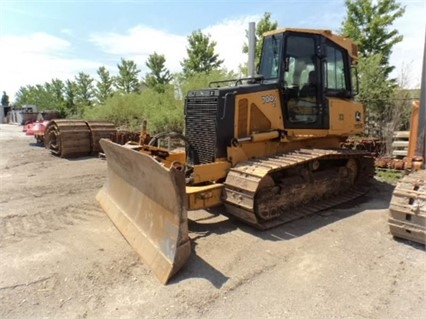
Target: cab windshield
271	58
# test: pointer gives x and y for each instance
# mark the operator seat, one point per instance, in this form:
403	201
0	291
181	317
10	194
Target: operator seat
309	89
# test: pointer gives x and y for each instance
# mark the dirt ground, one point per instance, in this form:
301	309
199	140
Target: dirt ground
61	257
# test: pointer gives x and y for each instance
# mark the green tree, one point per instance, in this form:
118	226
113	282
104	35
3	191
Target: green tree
57	87
374	91
56	90
201	54
368	23
85	91
264	25
24	96
127	79
5	99
159	76
70	97
49	96
104	87
398	112
37	95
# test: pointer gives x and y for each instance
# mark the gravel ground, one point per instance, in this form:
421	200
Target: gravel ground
61	257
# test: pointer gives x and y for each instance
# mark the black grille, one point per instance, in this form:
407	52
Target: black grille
200	126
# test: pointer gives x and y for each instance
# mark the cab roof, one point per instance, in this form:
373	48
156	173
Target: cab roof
343	42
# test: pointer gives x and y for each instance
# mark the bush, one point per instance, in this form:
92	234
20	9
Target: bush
162	111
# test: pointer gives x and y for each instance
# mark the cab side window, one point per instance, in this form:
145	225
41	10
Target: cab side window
336	77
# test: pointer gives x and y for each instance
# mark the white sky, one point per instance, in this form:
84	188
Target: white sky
43	40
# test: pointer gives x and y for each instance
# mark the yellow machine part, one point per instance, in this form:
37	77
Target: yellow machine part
153	222
247	150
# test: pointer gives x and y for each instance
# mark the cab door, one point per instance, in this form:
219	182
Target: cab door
304	104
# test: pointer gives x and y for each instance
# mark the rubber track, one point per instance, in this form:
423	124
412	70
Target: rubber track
407	210
240	200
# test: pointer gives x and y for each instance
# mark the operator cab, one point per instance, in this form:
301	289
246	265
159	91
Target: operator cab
309	66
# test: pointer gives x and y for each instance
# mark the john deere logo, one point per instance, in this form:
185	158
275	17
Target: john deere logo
357	116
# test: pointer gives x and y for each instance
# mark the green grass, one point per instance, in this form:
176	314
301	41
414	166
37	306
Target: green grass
390	176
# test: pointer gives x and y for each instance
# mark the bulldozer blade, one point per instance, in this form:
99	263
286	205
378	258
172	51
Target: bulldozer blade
146	202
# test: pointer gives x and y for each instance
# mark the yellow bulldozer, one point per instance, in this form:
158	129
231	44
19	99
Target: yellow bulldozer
267	147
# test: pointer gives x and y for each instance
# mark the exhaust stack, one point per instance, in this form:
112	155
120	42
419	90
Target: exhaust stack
251	49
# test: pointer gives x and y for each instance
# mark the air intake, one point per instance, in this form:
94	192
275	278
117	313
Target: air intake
200	125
